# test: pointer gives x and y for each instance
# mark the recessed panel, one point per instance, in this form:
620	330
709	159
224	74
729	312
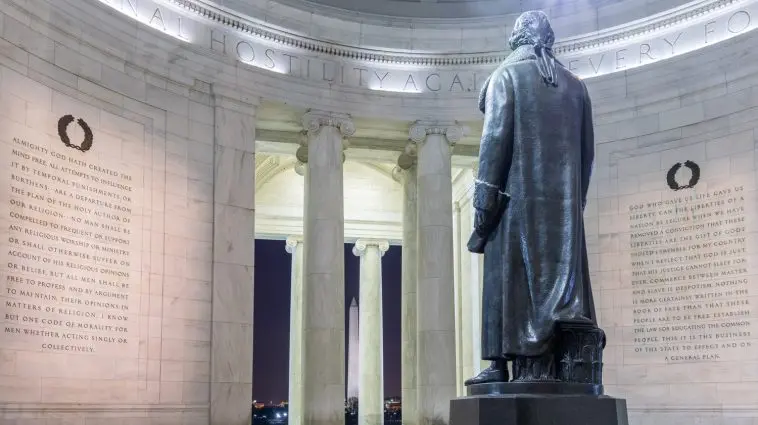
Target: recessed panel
72	217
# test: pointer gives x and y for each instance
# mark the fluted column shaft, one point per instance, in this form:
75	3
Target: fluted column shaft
324	277
405	172
469	318
295	416
460	333
476	286
370	351
435	295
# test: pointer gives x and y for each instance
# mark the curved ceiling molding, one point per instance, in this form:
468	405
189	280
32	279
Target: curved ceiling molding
271	167
384	170
257	44
660	22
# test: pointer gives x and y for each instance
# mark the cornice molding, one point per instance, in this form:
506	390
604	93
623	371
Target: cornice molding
567	47
293	139
280	227
273	165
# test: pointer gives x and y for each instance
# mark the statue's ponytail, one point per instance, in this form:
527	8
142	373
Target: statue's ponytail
533	28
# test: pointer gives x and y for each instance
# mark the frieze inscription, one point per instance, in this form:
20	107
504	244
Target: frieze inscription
351	71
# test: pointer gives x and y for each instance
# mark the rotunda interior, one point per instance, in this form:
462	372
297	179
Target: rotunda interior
149	143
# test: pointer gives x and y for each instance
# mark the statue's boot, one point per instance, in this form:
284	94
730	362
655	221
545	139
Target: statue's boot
496	372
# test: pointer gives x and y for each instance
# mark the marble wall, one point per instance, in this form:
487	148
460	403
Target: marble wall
127	234
672	240
173	128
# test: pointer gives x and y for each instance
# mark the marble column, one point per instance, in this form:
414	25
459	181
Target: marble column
324	275
370	351
435	303
231	365
405	172
460	340
476	283
294	246
469	287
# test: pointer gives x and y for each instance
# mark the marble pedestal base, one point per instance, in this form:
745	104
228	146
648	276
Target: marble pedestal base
527	409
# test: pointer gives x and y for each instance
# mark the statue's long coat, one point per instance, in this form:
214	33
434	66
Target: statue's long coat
537	150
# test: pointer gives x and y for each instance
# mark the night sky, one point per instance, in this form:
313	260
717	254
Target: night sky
271	317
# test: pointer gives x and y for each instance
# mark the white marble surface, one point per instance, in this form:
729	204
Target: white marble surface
372	202
435	293
233	262
467	270
353	354
235	169
183	300
371	334
324	276
116	33
457	297
294	246
409	284
74	57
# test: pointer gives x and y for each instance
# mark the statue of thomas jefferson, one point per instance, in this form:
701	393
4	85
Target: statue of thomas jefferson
535	161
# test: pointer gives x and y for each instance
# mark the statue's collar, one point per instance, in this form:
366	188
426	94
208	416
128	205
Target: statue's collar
522	53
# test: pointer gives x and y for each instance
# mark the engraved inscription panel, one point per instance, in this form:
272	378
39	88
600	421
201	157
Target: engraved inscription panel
71	222
687	297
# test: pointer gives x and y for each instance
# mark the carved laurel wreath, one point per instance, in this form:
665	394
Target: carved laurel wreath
694	179
63	133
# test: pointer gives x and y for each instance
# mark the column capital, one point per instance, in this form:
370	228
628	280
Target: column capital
300	168
313	121
397	174
452	131
292	243
362	244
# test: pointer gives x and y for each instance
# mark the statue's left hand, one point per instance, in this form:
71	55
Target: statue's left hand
476	243
485	224
480	235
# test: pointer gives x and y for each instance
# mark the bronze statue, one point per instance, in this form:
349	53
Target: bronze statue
535	162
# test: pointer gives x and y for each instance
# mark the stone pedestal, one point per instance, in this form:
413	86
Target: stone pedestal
522	409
